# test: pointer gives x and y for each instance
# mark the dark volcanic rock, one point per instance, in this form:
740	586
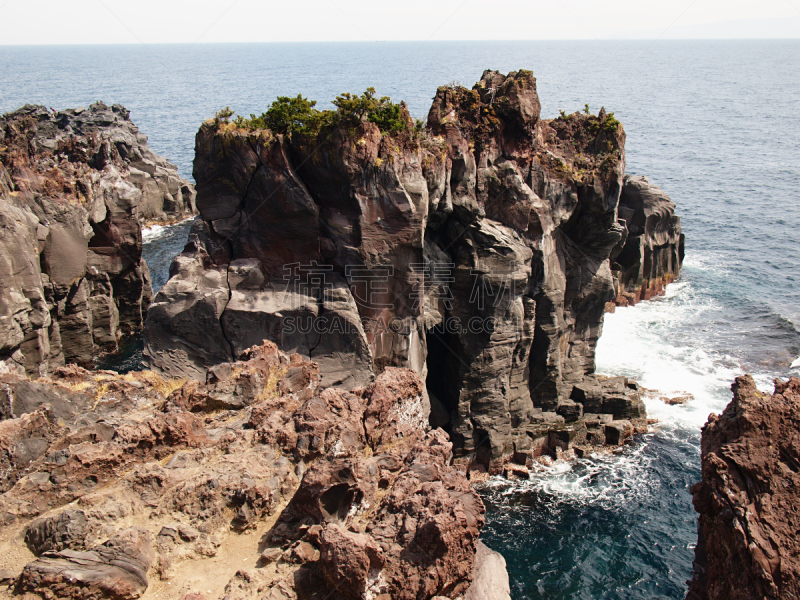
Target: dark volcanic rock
475	252
66	530
747	544
650	254
74	186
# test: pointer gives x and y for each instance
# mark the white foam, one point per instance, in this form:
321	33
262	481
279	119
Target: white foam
155	232
600	479
646	343
635	343
152	233
706	262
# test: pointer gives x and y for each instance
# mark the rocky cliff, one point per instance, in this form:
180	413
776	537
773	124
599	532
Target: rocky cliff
74	186
474	250
747	544
256	484
650	253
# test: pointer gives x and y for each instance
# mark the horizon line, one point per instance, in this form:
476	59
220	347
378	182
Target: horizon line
411	41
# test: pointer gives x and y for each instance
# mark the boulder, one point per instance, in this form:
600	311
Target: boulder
116	569
490	581
617	432
67	530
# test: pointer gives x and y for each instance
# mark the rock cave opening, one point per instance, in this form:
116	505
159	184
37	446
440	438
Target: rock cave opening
443	376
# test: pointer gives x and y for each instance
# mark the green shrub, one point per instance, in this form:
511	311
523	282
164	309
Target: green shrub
298	115
223	115
387	115
287	115
611	124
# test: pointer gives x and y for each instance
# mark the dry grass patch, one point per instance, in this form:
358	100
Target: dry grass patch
164	385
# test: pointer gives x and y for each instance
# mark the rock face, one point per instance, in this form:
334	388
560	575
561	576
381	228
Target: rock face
748	498
474	251
650	254
73	188
491	578
116	569
255	484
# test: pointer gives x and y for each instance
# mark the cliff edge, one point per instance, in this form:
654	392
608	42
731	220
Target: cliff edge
75	187
747	544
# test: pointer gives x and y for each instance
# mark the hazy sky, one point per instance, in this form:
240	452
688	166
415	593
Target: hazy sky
203	21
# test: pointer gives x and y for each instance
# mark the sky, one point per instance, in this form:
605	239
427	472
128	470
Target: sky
33	22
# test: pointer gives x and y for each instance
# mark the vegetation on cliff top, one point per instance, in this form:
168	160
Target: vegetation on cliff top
584	143
603	121
298	115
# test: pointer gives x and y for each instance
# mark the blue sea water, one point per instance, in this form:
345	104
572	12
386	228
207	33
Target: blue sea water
715	123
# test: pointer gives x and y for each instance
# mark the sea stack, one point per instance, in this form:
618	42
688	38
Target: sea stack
474	249
650	254
75	187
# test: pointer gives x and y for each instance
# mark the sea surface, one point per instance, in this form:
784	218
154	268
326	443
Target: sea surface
715	123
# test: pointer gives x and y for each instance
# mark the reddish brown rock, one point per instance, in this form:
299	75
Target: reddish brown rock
296	490
748	498
23	441
347	559
117	569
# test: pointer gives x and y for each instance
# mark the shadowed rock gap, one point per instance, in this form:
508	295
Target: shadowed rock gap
443	378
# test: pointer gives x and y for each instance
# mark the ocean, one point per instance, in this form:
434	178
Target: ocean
714	123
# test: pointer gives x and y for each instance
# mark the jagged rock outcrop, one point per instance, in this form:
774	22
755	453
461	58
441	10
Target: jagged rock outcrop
650	254
74	186
474	251
747	545
255	484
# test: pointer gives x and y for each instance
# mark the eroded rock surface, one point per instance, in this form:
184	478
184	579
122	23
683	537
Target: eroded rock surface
650	254
255	484
475	251
74	186
491	578
116	569
747	544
